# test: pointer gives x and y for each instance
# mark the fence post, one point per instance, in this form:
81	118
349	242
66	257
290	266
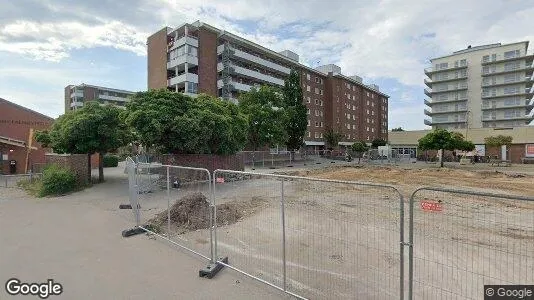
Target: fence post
168	204
282	204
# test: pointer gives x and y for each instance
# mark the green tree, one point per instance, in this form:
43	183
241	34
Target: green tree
296	121
176	123
378	142
498	141
441	139
91	129
331	138
265	116
397	129
359	148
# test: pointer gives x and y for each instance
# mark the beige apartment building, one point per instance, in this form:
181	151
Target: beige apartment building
487	86
76	95
199	58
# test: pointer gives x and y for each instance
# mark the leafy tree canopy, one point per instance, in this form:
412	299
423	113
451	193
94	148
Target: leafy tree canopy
498	141
332	137
397	129
296	121
359	148
176	123
265	115
378	142
441	139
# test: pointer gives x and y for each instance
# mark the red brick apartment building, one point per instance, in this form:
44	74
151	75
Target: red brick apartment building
15	124
199	58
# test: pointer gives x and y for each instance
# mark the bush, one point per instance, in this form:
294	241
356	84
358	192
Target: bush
57	181
111	161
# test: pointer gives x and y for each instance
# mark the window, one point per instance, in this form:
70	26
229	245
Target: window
354	117
317	135
367	130
348	96
348	136
511	90
308	111
316	102
367	95
512	101
321	113
372	130
308	122
353	126
510	66
511	78
317	90
373	96
372	112
308	88
321	124
309	134
348	126
307	76
367	111
322	103
321	135
316	124
320	91
353	88
511	54
367	120
354	107
316	113
367	102
348	116
308	100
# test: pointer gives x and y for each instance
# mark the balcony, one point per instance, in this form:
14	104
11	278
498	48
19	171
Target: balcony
529	104
527	69
182	59
112	98
190	40
428	82
249	58
528	57
430	70
502	118
76	104
235	85
257	75
526	93
437	122
458	99
78	94
448	79
430	92
456	110
184	77
527	80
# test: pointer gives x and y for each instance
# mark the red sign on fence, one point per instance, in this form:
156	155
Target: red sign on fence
220	180
431	206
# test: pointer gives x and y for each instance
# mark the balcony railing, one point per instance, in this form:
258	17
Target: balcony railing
488	60
431	70
527	80
255	59
455	110
184	77
452	78
528	69
527	93
456	99
430	92
182	59
503	118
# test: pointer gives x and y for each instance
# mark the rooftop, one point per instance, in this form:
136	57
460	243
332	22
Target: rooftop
280	56
104	88
481	47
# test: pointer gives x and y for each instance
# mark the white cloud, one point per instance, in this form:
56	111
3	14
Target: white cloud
54	41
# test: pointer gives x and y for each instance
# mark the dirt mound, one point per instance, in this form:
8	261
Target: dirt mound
191	212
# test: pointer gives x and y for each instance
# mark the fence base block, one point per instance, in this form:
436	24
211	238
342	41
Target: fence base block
132	231
212	269
127	206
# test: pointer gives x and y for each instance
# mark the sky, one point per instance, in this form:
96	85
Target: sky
46	45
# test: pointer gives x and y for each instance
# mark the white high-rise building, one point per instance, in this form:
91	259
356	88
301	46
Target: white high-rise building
482	86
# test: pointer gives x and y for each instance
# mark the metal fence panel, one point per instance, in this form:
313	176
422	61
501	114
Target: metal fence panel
462	240
174	204
315	238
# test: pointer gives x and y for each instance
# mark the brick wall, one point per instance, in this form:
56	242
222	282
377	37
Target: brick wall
207	69
206	161
157	60
77	163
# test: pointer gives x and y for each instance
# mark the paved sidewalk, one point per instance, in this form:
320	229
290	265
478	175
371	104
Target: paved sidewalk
76	240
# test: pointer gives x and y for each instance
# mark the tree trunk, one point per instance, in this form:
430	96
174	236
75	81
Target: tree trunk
88	168
100	167
441	157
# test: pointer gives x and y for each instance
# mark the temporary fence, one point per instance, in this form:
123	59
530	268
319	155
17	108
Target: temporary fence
12	181
330	239
463	240
173	203
311	238
273	159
